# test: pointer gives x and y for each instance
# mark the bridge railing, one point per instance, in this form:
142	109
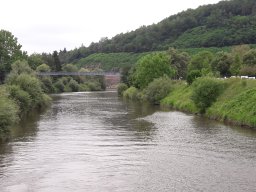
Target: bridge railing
61	73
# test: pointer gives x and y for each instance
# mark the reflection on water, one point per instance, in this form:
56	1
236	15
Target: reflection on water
98	142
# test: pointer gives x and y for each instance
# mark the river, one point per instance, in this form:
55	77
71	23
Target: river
97	142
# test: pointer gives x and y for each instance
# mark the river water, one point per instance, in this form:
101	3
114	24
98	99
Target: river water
97	142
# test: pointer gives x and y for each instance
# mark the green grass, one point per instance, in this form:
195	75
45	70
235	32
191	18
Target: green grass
109	61
237	103
180	98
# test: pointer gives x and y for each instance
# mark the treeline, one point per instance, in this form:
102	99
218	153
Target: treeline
22	91
157	78
178	65
226	23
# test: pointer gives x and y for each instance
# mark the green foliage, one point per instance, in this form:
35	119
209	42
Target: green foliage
21	67
158	89
222	63
70	68
22	98
151	67
249	58
47	85
43	68
131	93
8	113
34	60
10	51
193	75
32	86
110	61
73	85
205	92
237	103
201	61
179	61
121	88
59	85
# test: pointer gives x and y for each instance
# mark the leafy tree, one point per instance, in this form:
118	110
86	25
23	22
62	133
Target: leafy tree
56	61
70	68
193	75
43	68
179	61
35	60
222	63
150	67
201	61
236	65
205	92
250	57
158	89
10	51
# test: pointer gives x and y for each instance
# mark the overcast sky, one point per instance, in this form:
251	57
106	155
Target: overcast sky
48	25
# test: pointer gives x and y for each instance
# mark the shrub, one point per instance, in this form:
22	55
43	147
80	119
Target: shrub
22	98
121	88
59	86
131	93
32	86
158	89
8	113
205	92
47	85
94	86
43	68
84	87
74	86
192	75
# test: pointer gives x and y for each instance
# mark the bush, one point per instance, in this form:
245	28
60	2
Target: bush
47	85
94	86
22	98
205	92
59	86
8	113
121	88
131	93
158	89
73	85
192	75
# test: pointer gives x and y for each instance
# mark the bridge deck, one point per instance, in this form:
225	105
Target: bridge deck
78	74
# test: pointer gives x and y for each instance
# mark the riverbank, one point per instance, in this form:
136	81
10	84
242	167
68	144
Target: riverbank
235	105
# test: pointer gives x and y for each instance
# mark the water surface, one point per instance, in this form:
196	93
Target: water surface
98	142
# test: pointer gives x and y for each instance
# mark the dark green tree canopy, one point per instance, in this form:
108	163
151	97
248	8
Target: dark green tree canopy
10	51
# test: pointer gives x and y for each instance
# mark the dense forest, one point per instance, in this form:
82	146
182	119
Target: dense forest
227	23
220	25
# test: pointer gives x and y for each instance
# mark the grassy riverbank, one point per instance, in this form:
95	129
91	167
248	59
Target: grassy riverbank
236	104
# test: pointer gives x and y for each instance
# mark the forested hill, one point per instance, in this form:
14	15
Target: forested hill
226	23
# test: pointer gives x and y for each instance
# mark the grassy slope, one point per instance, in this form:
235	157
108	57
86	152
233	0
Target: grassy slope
108	61
236	104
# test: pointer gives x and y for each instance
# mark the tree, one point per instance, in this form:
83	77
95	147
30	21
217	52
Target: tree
43	68
179	61
34	60
250	58
56	61
70	68
150	67
222	63
201	62
10	51
205	92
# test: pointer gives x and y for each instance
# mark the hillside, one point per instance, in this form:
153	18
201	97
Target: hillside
224	24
